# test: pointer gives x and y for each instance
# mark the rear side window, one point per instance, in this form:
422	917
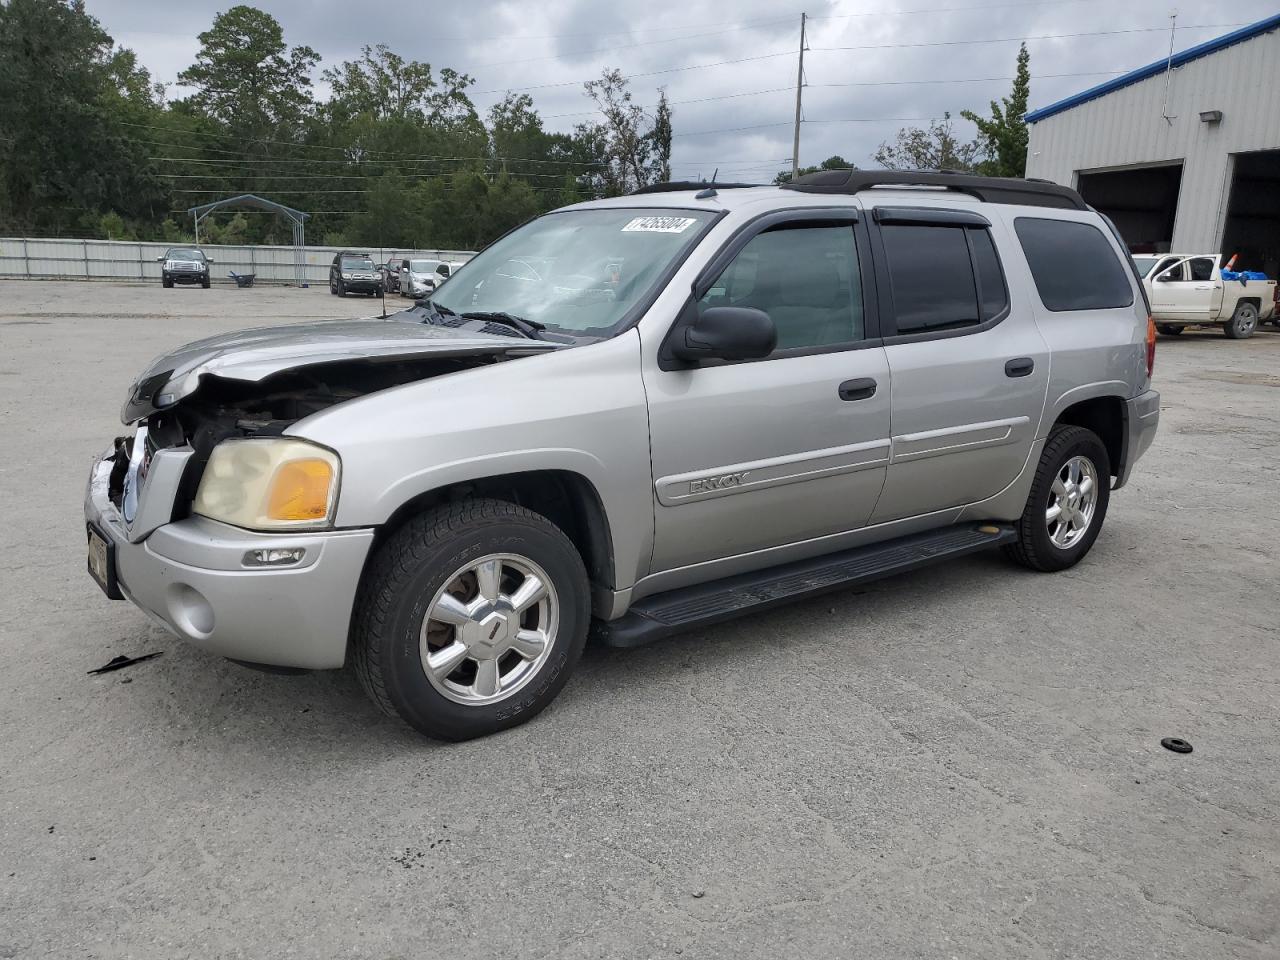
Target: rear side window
943	277
1201	269
1073	265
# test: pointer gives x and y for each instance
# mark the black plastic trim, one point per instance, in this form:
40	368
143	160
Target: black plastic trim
702	605
927	216
1031	193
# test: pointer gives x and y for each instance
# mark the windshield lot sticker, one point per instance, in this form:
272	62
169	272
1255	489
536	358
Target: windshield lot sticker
659	225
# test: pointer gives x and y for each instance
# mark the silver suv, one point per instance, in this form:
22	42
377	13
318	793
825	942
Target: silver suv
652	412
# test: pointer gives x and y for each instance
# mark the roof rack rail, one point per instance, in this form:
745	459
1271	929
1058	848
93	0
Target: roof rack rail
1029	192
671	186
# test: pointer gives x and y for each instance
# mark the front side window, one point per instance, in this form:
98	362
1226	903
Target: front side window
579	271
1073	265
805	277
1201	268
943	277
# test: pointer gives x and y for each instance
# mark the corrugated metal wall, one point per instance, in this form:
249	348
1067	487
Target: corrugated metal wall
122	260
1126	128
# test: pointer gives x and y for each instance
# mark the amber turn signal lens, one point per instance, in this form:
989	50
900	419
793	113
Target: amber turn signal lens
300	490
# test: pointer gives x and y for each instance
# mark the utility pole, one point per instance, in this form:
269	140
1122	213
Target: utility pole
1168	68
795	143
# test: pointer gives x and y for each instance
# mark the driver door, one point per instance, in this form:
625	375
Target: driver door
758	454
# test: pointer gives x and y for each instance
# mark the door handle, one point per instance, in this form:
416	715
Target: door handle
859	389
1019	367
1210	287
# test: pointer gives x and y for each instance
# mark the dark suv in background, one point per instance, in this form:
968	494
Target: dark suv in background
184	265
354	272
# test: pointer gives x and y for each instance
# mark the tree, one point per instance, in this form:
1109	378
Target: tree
660	137
936	148
1003	136
72	104
836	162
246	78
624	132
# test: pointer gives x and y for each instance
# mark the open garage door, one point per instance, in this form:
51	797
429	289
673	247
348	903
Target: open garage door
1141	201
1253	213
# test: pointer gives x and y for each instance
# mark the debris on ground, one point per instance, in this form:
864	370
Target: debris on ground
120	662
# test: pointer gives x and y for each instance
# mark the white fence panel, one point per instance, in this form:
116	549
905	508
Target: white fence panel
52	259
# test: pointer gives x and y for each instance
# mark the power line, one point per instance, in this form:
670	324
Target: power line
1043	36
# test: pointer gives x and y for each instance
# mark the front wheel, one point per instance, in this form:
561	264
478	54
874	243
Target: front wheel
1068	501
1169	329
1242	323
470	619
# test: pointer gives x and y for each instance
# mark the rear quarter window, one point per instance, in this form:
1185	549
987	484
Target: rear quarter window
1073	265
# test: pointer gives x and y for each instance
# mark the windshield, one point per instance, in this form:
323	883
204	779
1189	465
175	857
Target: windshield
357	263
423	266
184	253
1144	264
578	271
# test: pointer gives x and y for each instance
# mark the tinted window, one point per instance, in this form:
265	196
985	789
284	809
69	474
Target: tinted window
931	276
1073	265
995	296
804	277
1201	268
1165	264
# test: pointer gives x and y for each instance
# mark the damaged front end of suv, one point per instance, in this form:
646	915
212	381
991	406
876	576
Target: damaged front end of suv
211	485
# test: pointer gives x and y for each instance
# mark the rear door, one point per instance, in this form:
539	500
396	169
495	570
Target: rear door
967	362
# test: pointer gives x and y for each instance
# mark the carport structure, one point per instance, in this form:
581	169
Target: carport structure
297	219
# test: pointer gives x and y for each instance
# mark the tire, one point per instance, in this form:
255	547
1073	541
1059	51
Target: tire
167	283
205	283
1169	329
342	289
333	288
1035	547
408	577
1243	323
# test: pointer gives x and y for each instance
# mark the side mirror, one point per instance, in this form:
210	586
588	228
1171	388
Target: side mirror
1166	277
210	260
159	259
726	333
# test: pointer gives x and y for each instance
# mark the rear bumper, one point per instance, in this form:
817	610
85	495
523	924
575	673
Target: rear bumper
190	577
1142	417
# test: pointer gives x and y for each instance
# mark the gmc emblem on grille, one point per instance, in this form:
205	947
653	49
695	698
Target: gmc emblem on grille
718	483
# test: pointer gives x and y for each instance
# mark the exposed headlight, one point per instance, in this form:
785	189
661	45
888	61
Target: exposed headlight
348	276
274	483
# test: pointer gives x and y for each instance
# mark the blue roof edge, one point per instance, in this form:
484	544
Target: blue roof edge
1153	69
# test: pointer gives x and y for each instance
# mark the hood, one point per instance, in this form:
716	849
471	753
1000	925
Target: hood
254	355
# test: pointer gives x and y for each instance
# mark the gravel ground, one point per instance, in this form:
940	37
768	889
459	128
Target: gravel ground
962	762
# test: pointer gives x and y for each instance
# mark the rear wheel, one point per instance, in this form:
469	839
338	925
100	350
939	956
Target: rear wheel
1068	501
1243	322
1169	329
470	619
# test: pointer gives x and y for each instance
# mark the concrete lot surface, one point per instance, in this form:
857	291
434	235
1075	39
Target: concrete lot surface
962	762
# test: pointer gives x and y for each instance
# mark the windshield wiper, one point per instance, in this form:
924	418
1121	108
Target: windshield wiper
530	328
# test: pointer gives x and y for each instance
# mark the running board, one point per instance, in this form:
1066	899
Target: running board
707	603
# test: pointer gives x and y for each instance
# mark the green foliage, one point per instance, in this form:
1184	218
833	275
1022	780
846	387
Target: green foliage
247	79
934	148
836	162
1003	135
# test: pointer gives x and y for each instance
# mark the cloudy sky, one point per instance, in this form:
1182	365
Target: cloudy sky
729	68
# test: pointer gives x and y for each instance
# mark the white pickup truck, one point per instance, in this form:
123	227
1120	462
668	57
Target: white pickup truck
1188	289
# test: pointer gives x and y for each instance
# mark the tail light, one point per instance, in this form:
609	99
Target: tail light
1151	344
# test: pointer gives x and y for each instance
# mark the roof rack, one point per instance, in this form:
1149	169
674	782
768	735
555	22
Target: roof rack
1029	192
671	186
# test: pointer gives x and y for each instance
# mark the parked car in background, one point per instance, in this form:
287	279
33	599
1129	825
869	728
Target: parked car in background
421	276
184	265
659	411
1188	290
354	272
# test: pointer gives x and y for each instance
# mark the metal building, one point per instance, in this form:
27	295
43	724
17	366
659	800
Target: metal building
1183	154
